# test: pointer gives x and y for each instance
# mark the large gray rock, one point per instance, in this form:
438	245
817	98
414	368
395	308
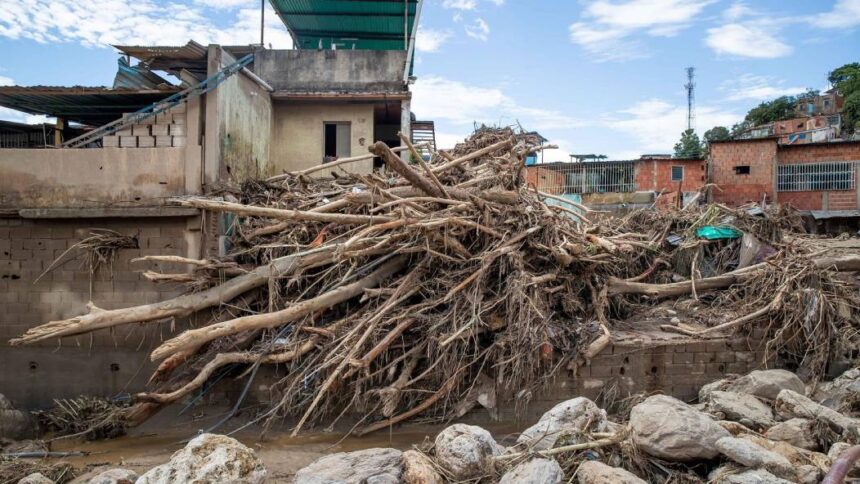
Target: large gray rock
767	383
418	469
595	472
465	450
790	404
567	419
833	394
752	476
809	474
795	431
115	476
740	407
35	478
754	456
371	466
14	424
715	385
209	458
535	471
668	428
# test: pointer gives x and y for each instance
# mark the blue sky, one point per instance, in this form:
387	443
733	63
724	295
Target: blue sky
594	76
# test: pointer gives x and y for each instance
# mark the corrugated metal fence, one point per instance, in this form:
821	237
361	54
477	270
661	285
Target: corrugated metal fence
826	176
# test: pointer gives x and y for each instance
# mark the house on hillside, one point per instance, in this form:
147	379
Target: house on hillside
118	153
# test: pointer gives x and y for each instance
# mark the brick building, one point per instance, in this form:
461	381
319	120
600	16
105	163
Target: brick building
816	177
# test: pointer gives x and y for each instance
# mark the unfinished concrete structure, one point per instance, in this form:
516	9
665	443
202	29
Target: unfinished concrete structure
288	109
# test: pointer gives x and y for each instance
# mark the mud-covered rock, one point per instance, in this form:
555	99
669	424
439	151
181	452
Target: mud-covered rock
595	472
668	428
14	424
464	450
209	458
715	385
795	431
751	476
535	471
740	407
754	456
790	404
767	383
115	476
377	466
418	469
809	474
567	419
36	478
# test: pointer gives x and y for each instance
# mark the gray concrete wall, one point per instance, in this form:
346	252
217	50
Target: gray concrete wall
332	70
64	178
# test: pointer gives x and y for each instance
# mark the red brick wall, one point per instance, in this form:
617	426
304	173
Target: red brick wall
759	155
545	180
816	153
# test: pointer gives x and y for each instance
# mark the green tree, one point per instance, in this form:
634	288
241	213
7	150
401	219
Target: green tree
739	128
689	147
846	79
717	133
851	112
767	112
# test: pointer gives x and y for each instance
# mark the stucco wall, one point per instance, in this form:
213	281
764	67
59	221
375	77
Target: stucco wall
297	134
64	178
332	70
245	111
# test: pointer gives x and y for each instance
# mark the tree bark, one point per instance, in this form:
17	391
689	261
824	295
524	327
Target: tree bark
279	213
394	162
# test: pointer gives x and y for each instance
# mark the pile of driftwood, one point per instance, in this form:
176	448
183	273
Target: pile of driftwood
403	293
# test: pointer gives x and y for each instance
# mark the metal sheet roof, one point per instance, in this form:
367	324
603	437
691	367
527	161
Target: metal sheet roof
92	106
348	24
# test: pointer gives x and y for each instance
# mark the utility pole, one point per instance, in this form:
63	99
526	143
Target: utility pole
691	98
262	22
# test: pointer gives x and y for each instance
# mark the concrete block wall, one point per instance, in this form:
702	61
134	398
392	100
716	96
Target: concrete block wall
106	362
164	130
734	189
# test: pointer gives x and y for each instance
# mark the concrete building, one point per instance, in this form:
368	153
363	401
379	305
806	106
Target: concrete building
820	178
285	110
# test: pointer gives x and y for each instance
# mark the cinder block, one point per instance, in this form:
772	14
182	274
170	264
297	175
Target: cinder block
128	141
179	119
163	141
145	142
110	141
123	132
160	129
163	118
140	130
177	130
178	141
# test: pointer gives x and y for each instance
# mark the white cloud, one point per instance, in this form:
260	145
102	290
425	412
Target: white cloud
449	140
605	26
845	14
738	10
98	23
227	4
757	88
429	40
6	81
460	4
461	104
478	29
755	39
656	125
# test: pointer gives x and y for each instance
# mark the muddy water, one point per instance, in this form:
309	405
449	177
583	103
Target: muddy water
281	454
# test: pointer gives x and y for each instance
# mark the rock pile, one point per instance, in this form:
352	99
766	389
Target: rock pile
759	428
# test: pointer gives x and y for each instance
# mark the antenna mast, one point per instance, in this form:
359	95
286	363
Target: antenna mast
691	97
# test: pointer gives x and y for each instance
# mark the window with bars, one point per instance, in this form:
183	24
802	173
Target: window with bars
677	173
801	177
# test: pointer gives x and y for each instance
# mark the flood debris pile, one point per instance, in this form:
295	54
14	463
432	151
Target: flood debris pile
761	428
424	291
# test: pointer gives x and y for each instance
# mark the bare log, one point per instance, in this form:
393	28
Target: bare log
195	338
331	164
177	307
279	213
394	162
473	155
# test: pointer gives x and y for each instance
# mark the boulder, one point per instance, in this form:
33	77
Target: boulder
767	383
595	472
115	476
418	469
35	478
209	458
752	476
535	471
706	389
795	431
833	394
668	428
567	419
837	449
372	466
740	407
790	404
14	424
464	450
809	474
754	456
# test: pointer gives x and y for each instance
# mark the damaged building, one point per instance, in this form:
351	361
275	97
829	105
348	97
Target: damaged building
115	155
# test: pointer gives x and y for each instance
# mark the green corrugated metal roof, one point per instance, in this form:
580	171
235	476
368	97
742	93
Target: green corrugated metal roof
348	24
